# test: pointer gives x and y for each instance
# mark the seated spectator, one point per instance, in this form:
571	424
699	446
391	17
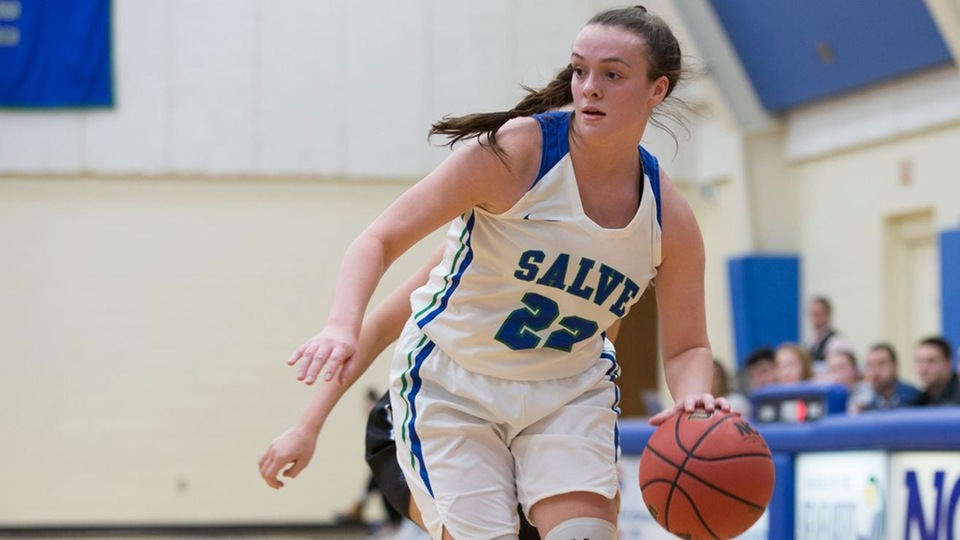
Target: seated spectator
792	364
842	369
761	368
935	370
889	391
721	387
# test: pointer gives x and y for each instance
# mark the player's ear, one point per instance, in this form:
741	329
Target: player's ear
658	93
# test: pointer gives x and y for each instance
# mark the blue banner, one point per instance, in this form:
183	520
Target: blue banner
55	53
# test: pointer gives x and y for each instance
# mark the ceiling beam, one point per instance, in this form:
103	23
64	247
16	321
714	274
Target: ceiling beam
724	66
946	14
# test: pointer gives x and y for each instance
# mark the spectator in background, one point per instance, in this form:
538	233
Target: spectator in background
881	372
721	387
760	367
792	364
935	370
842	369
826	339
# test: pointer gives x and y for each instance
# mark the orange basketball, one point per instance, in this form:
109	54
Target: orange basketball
706	475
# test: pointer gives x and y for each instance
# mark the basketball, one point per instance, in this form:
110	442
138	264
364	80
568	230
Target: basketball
706	475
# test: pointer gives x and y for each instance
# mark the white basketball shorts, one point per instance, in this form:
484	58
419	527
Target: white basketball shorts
472	447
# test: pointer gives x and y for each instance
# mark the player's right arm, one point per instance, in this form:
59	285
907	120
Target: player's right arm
473	176
293	449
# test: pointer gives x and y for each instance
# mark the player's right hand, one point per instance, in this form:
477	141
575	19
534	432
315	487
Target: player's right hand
334	348
293	447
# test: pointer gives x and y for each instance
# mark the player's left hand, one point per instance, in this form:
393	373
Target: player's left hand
691	403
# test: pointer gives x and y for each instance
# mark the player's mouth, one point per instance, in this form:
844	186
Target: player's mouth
593	113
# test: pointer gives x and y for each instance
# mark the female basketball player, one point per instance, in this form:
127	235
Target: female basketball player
502	384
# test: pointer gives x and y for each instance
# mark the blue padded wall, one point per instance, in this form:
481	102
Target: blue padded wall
765	299
950	286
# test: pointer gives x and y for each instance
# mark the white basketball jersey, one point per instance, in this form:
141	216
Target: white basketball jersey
527	294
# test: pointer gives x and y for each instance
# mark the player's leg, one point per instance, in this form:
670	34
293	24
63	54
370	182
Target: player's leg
567	476
381	456
456	463
577	515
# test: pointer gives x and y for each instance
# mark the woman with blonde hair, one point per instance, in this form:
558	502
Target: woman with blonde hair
793	364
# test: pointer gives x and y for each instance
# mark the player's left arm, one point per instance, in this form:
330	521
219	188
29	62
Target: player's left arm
687	357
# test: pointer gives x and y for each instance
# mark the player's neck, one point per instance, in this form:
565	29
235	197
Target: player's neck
603	159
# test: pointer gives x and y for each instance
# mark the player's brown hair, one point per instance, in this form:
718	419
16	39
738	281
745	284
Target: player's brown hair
664	57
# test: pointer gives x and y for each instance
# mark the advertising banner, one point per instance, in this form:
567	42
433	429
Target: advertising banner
841	495
925	495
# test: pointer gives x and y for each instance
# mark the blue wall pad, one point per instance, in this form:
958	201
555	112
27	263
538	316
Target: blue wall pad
950	286
765	299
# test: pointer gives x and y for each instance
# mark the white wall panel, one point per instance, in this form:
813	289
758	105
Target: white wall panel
472	57
136	136
895	109
48	141
471	63
385	79
539	54
302	91
215	85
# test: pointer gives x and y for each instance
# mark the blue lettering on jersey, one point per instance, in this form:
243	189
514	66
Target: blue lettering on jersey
598	285
528	264
630	291
609	280
576	288
557	274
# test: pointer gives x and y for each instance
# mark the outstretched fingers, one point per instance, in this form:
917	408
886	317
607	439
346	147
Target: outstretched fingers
337	359
314	359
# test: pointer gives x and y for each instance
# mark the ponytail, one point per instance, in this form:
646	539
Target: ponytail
553	96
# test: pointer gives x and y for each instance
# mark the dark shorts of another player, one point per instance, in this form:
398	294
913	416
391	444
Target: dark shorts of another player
381	455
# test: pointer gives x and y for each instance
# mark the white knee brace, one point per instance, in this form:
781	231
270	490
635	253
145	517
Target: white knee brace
583	528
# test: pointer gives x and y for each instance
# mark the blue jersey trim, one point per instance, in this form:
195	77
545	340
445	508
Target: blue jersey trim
455	280
415	444
651	167
612	374
554	128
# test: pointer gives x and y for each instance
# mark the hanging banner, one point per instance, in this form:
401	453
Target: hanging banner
55	53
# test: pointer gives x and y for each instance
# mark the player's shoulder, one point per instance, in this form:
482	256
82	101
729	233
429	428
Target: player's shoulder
520	140
520	136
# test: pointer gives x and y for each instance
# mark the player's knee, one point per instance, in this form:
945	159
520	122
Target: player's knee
582	528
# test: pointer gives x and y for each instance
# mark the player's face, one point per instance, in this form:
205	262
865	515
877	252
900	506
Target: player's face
612	91
880	371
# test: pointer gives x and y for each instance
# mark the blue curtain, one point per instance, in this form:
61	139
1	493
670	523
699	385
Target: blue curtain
55	53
